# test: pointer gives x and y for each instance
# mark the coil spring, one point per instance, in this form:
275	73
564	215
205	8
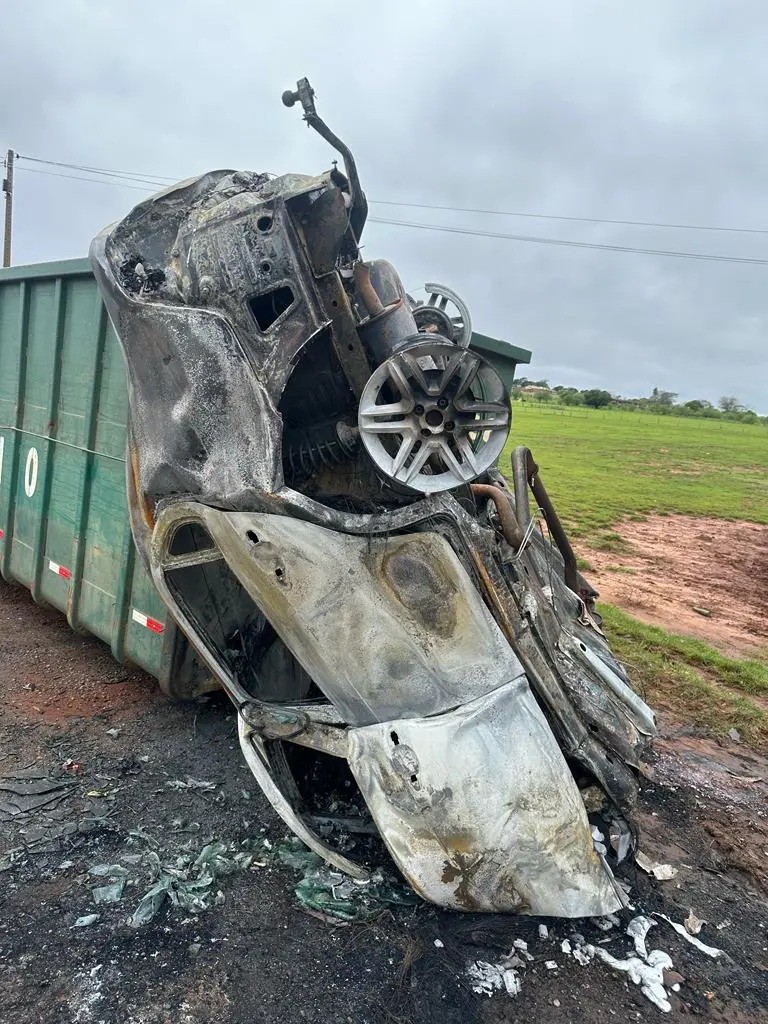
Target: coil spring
305	454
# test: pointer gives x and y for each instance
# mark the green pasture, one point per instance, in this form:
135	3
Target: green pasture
601	465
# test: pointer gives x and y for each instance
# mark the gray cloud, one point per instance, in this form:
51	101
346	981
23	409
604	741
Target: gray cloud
645	112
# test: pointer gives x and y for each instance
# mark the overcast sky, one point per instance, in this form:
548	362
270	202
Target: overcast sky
650	111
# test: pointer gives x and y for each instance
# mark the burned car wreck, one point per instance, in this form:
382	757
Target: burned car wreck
314	485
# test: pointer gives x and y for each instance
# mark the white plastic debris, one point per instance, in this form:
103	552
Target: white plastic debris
439	944
201	784
712	951
606	923
598	840
693	924
543	932
651	867
637	929
647	973
512	982
582	955
114	733
487	978
620	838
551	965
85	920
565	946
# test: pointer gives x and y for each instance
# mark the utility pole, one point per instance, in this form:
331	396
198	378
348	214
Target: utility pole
8	189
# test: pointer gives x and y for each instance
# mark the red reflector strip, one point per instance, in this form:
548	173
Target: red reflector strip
2	534
147	621
60	570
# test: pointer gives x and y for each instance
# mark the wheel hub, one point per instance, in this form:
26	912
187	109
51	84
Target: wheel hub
434	416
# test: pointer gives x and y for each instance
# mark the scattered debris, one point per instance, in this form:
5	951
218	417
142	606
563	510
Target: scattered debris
114	733
693	924
206	787
661	871
637	929
487	978
706	612
543	932
673	979
87	919
606	922
439	944
646	972
111	893
109	870
681	930
23	795
333	893
620	837
735	735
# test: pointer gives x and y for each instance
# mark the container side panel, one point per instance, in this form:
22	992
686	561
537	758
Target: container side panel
150	632
10	374
33	416
10	352
78	337
112	417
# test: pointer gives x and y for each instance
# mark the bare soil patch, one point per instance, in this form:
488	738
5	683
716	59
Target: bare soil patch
259	957
675	564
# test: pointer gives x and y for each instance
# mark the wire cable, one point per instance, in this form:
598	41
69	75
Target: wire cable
586	220
574	244
131	183
151	178
79	177
154	179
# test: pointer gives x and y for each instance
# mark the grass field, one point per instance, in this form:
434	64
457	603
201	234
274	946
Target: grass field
601	466
691	679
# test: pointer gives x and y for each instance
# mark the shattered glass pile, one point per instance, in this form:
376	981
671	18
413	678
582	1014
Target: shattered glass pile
314	485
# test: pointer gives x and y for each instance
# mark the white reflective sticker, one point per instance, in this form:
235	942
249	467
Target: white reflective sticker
30	472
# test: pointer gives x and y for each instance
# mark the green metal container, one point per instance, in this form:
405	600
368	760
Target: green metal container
64	529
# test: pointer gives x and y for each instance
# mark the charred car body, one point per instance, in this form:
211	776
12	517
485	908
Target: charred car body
313	484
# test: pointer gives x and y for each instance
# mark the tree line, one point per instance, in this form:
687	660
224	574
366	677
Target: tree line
661	402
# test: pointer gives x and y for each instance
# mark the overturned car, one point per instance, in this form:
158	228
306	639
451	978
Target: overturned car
313	484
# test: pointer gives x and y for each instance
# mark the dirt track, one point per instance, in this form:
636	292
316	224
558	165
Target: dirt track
258	957
676	564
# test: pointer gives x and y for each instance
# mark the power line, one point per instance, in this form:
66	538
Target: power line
155	179
152	179
79	177
586	220
562	241
709	257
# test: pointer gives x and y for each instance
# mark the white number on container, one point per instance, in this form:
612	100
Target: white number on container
30	473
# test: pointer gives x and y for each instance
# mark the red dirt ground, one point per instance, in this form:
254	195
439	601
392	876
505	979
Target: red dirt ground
678	563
